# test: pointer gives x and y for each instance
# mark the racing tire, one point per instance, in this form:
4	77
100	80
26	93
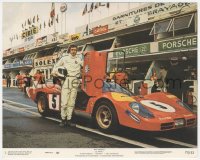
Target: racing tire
42	105
105	117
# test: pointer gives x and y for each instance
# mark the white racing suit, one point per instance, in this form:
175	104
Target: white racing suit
70	85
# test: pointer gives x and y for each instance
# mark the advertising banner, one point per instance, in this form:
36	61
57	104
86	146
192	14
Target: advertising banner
100	30
75	37
21	49
45	61
180	43
41	41
134	50
144	14
31	31
19	64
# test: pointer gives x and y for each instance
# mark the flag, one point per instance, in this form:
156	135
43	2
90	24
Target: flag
34	19
86	31
30	21
44	24
52	13
96	5
91	8
57	18
37	18
85	10
100	4
107	4
49	23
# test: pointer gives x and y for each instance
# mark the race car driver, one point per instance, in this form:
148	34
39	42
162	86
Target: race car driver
73	63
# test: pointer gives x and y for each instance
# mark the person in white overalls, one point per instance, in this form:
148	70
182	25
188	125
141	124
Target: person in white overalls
73	64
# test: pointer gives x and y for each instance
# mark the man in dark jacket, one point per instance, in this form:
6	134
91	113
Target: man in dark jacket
174	78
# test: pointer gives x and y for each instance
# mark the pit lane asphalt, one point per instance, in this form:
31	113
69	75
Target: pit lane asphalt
21	129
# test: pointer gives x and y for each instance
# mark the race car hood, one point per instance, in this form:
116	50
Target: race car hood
163	105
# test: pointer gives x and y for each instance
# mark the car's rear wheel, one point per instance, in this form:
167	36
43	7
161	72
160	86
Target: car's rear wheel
106	117
42	105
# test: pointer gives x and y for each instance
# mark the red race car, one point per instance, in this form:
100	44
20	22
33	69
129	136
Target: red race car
111	105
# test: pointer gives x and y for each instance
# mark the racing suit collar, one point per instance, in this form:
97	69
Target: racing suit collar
73	56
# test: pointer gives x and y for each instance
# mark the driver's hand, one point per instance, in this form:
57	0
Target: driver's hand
55	74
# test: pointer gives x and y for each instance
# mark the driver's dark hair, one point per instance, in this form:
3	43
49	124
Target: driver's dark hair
72	46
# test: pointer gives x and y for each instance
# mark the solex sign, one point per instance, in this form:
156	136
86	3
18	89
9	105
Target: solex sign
180	43
45	61
133	50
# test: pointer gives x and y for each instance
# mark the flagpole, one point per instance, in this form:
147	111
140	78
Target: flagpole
65	21
54	24
108	11
89	21
61	21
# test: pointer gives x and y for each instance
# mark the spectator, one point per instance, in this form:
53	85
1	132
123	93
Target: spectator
27	82
37	76
155	87
121	78
154	78
193	74
161	78
8	80
17	79
42	78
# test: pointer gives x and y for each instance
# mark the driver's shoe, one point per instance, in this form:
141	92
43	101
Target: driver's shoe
70	124
62	123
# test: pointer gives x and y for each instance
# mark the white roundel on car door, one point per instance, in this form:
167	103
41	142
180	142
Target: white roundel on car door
158	105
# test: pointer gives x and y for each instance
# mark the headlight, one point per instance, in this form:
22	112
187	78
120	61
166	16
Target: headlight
138	108
184	105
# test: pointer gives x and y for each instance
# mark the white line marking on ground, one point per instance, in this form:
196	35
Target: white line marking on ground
21	109
133	142
53	119
16	103
176	142
91	130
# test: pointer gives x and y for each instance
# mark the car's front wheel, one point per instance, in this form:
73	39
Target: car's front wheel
106	117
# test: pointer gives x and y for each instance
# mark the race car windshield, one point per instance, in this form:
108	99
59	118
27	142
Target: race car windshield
114	87
115	62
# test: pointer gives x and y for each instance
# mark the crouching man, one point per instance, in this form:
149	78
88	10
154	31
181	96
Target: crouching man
73	64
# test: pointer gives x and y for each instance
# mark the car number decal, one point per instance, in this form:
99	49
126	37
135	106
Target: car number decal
54	101
158	105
